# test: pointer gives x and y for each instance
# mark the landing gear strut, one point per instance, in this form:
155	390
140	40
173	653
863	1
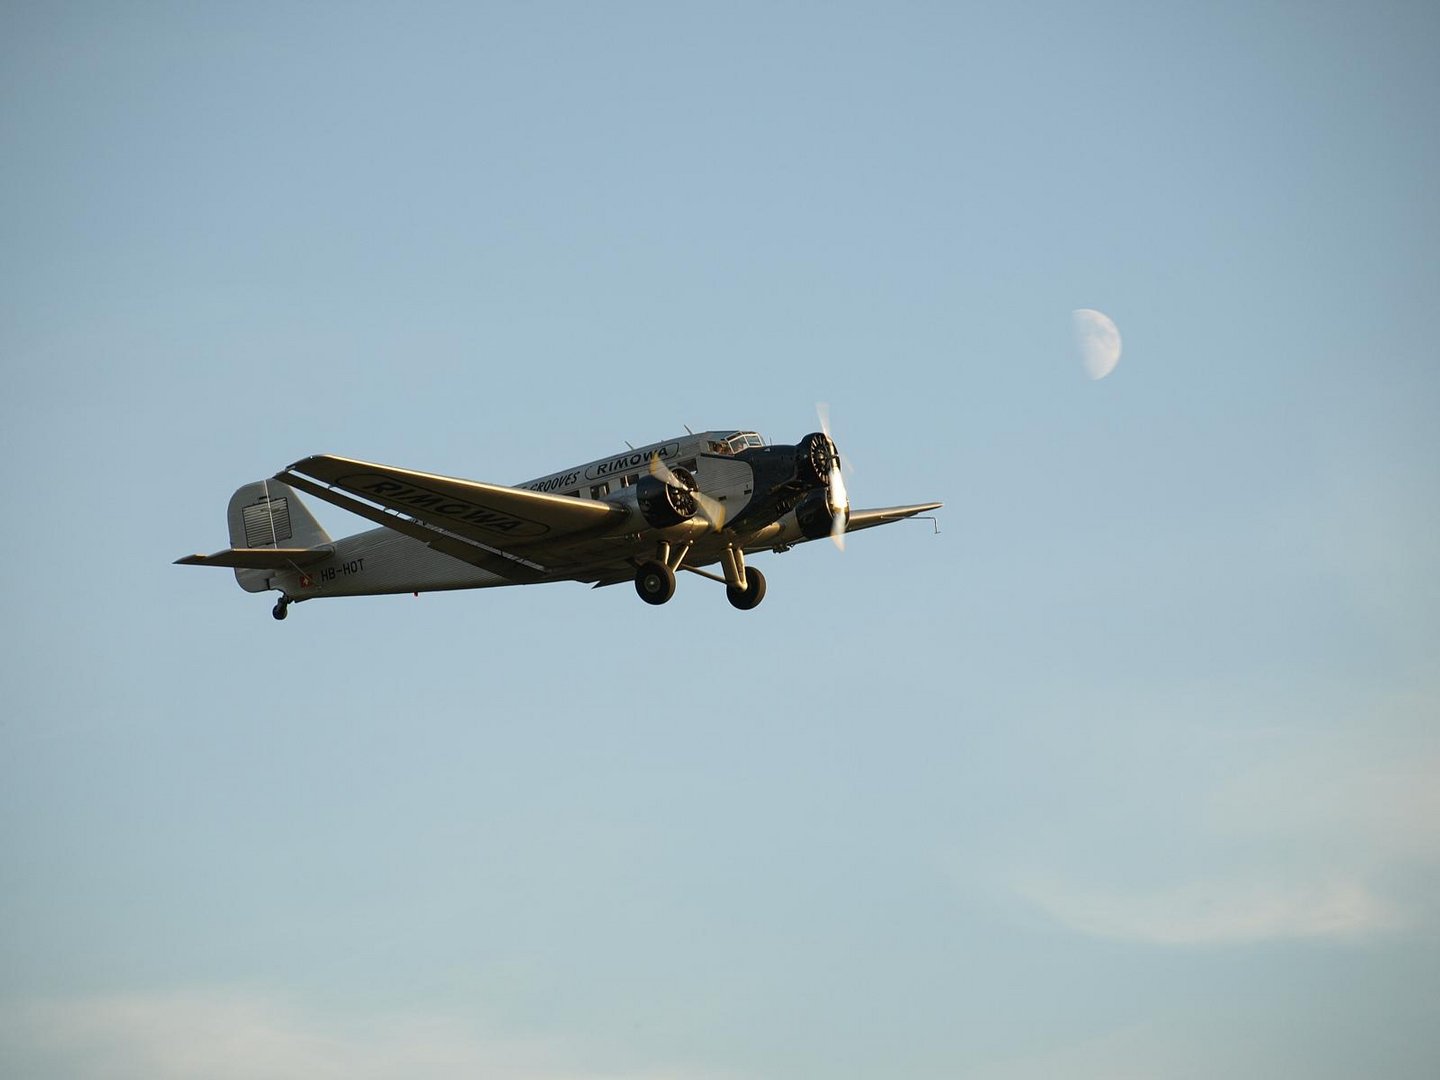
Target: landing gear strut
655	578
281	608
744	586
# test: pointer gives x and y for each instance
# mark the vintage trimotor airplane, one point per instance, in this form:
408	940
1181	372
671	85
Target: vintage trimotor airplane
642	515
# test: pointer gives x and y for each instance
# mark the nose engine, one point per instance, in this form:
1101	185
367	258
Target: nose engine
816	459
821	504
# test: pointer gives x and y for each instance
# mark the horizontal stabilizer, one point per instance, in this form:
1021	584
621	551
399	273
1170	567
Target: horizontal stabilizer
261	558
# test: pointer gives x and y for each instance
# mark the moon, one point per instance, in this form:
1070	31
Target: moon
1098	340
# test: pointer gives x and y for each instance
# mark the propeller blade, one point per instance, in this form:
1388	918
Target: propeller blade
822	410
837	497
839	500
661	472
711	510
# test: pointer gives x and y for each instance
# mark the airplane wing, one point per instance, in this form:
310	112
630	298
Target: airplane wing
510	531
868	519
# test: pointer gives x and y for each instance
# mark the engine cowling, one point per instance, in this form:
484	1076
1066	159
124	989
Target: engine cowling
663	505
810	519
813	516
815	457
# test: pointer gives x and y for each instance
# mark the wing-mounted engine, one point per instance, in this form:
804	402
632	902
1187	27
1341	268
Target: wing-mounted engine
813	518
816	514
663	503
668	500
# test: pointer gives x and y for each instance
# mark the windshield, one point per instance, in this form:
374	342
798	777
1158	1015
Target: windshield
741	439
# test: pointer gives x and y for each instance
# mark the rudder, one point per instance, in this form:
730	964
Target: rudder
269	514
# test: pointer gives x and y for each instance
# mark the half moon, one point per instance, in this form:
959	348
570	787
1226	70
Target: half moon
1098	340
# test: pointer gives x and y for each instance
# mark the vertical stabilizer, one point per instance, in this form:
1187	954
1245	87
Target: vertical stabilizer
269	514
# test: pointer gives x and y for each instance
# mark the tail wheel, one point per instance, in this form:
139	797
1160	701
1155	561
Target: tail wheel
281	608
655	582
751	595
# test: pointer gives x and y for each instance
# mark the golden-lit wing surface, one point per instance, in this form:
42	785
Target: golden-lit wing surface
868	519
508	530
490	513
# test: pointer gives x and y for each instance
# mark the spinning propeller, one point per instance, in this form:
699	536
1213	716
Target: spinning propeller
710	510
836	497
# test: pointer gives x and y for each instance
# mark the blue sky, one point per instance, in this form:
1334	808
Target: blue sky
1130	771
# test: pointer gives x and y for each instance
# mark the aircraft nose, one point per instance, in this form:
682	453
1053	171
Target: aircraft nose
816	459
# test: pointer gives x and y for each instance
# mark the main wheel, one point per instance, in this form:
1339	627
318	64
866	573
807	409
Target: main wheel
655	582
752	594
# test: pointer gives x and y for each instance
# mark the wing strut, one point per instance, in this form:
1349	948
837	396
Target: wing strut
513	569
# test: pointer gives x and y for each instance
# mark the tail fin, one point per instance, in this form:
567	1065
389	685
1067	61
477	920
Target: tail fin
269	514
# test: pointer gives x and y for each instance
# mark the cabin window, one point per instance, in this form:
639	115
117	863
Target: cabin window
631	480
688	464
599	491
573	494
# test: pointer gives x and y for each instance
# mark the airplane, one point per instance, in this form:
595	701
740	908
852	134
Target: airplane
639	515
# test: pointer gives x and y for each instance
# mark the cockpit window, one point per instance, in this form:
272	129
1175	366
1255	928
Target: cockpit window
752	439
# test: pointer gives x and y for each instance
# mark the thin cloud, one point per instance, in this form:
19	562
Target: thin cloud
233	1036
1345	793
1324	836
1217	912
